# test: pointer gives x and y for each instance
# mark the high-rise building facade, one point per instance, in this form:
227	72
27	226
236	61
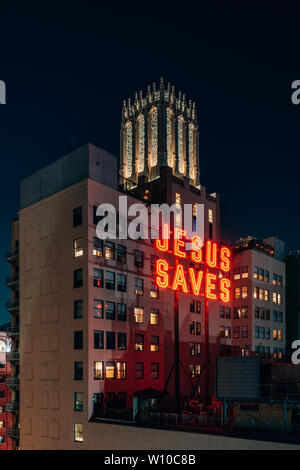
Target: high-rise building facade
258	298
7	433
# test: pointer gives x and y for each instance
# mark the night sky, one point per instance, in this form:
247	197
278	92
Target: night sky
68	68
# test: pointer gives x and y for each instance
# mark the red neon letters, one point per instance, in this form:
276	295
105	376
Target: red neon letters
204	281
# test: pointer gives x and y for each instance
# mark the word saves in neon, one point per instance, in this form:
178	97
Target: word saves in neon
201	281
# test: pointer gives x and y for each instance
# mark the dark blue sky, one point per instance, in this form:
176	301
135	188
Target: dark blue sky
68	68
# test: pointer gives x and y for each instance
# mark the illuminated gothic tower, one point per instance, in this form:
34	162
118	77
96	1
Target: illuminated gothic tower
159	129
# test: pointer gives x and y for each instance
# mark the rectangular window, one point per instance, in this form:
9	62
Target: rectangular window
255	292
244	272
78	278
267	295
222	311
245	331
138	256
154	370
237	293
192	328
98	308
195	370
177	209
255	272
245	311
228	332
78	401
236	274
97	247
267	276
121	370
122	312
261	294
138	286
154	343
262	332
279	316
236	312
154	316
110	310
210	216
227	313
222	331
78	339
274	279
275	333
122	341
267	314
110	280
262	313
110	370
139	342
236	332
267	333
275	315
256	332
78	432
279	280
98	370
78	370
98	277
109	252
154	290
279	335
110	340
121	254
139	314
198	328
77	216
279	299
121	282
198	306
138	370
78	247
261	274
192	306
98	339
195	349
244	292
78	309
274	298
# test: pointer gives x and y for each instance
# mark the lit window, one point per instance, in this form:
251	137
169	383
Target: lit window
195	370
279	299
78	432
121	370
228	332
244	292
177	209
255	292
261	274
274	279
110	370
210	216
98	277
154	316
154	291
138	286
275	333
195	349
154	344
109	250
255	272
98	370
261	294
98	308
222	331
236	273
139	342
78	247
237	293
244	272
267	276
78	401
139	314
154	370
267	295
274	297
2	424
279	282
245	311
236	312
98	247
279	335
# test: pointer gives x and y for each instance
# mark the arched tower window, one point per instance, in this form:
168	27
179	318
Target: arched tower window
181	145
154	137
191	151
141	143
128	149
170	138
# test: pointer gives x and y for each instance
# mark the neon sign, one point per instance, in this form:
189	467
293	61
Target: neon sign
200	281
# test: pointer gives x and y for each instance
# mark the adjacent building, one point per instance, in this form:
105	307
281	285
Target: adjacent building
6	431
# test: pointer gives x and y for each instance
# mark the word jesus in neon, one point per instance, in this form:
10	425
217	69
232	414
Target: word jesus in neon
200	281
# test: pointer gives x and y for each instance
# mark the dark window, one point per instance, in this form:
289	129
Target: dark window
138	258
109	250
98	308
77	216
97	247
222	311
210	230
78	401
121	253
110	310
78	308
198	306
154	258
192	327
78	279
98	277
110	280
98	339
122	312
154	290
110	340
78	339
78	370
121	282
122	341
138	370
154	370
